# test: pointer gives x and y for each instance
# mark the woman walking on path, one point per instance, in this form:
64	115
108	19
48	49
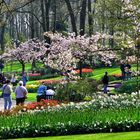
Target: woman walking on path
6	91
21	94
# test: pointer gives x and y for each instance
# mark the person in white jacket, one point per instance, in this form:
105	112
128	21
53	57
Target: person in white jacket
49	93
21	94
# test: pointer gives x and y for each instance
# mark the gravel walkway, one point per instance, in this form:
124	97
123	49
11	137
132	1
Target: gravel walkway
13	103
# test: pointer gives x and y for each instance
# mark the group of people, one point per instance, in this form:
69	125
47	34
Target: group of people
20	93
126	74
20	90
125	70
45	92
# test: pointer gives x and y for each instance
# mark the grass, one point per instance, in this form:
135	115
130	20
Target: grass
31	97
16	66
102	136
99	72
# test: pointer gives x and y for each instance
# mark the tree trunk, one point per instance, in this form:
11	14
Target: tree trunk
83	17
33	65
90	19
2	31
80	68
17	31
47	8
43	15
73	23
111	40
23	67
54	16
32	21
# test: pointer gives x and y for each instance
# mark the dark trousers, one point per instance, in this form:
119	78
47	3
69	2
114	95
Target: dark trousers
40	97
105	88
49	97
123	75
20	101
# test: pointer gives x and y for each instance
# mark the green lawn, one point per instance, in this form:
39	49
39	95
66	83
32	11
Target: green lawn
102	136
99	72
16	66
31	97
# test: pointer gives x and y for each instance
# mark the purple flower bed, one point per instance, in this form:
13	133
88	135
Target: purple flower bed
117	86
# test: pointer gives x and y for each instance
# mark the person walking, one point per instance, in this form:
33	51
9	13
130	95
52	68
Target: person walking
21	93
122	67
127	71
6	93
24	79
41	92
14	80
105	81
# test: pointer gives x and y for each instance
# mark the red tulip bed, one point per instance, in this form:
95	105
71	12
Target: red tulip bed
85	72
42	104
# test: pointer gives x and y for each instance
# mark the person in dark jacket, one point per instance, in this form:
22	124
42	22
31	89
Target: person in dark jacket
41	92
105	81
122	67
24	79
127	71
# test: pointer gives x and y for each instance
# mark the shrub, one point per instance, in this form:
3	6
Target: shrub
129	86
76	91
47	70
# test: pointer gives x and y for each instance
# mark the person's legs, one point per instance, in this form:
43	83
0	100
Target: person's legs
123	75
20	101
47	97
38	98
127	76
9	99
5	103
17	101
105	88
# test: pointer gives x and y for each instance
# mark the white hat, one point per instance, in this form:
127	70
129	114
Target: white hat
21	82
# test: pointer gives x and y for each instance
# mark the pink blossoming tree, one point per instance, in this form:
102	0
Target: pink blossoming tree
26	52
65	51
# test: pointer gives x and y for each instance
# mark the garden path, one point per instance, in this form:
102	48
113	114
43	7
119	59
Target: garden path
13	103
112	86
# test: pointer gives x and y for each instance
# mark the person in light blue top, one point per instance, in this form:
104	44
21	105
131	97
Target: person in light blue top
7	90
41	92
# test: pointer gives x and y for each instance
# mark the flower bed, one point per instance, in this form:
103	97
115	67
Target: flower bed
49	117
117	75
34	74
32	88
43	104
84	70
70	121
48	81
